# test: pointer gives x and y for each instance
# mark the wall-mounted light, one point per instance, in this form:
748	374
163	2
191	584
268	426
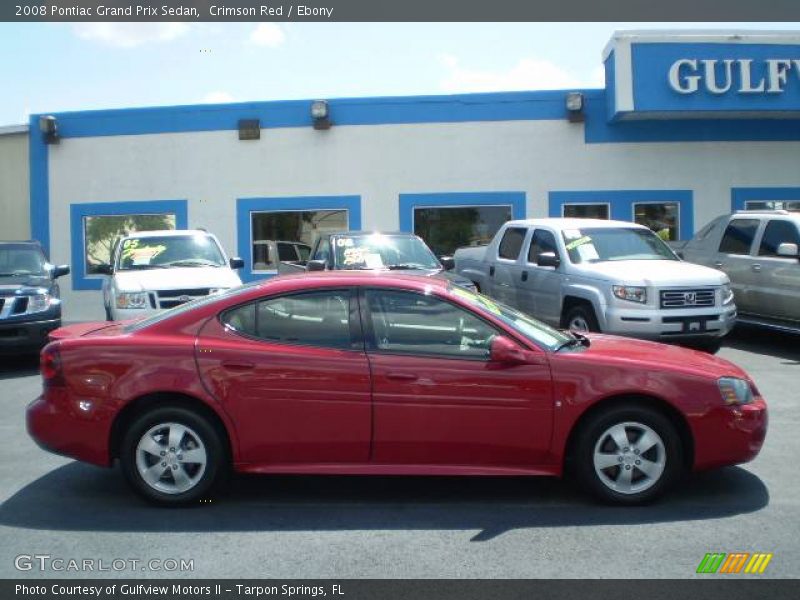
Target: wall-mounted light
575	106
249	129
49	128
320	114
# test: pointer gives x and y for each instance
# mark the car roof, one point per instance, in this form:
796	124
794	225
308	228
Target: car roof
349	278
574	223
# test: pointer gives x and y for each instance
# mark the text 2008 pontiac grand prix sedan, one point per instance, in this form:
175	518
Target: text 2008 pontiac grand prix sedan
364	373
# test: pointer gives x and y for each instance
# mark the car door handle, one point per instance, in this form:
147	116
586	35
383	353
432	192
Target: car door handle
402	376
756	267
234	365
524	276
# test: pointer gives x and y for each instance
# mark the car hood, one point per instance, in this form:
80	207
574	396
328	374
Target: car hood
642	355
176	278
10	284
655	273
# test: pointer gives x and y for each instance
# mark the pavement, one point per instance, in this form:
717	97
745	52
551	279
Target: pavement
405	527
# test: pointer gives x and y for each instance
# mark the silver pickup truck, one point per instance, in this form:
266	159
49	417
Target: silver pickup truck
597	275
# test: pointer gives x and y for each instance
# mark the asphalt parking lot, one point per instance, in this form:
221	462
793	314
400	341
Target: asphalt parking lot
349	527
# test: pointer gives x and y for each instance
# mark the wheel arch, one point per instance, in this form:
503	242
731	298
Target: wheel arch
571	300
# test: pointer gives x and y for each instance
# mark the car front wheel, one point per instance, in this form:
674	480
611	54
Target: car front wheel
173	456
628	455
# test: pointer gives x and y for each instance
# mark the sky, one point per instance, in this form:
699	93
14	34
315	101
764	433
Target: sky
54	67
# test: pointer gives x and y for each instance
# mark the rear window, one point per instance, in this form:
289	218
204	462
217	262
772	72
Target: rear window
511	244
738	237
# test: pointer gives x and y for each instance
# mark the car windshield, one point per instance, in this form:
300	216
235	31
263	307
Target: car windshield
195	250
597	244
536	331
379	251
21	260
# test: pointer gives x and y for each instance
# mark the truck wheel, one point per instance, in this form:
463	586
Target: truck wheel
172	456
711	346
581	318
628	455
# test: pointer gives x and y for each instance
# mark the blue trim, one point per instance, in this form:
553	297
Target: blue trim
622	202
741	195
39	186
410	201
80	281
245	206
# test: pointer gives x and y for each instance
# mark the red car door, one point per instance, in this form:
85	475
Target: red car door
438	398
292	373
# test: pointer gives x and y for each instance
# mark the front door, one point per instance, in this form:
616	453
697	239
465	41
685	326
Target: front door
438	399
292	373
776	289
733	257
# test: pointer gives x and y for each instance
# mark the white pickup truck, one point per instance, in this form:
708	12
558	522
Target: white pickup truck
156	270
597	275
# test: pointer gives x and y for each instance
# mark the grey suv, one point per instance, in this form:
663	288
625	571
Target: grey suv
758	250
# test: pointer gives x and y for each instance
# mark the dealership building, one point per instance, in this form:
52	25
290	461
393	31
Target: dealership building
688	126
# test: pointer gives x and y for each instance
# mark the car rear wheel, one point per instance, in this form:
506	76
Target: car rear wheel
173	456
581	318
628	455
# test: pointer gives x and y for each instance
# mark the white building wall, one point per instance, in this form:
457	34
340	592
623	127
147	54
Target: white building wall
14	186
212	169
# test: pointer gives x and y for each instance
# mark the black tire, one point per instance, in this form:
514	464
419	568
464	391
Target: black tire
217	461
711	346
583	312
594	433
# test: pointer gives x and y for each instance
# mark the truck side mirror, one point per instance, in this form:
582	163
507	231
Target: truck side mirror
448	262
60	271
787	249
315	265
236	263
548	259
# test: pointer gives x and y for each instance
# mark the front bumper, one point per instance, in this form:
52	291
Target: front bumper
24	336
730	435
664	325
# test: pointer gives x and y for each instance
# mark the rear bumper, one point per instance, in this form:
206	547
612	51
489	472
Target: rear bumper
730	435
665	325
24	336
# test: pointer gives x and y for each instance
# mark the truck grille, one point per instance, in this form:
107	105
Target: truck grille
172	298
687	298
13	305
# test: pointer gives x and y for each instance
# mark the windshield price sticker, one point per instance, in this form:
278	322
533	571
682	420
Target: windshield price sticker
579	242
345	242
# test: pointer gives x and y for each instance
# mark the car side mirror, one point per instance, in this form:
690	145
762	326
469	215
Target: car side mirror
448	262
316	265
236	263
787	249
60	271
503	350
103	269
548	259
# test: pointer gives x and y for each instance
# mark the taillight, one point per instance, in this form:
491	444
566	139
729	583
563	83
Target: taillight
50	366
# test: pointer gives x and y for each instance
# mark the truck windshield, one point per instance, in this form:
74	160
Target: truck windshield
195	250
380	251
21	260
596	244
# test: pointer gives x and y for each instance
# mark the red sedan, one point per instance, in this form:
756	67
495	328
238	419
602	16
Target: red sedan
368	373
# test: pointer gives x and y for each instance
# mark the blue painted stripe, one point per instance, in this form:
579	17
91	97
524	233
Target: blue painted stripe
246	206
410	201
39	187
622	201
80	281
739	196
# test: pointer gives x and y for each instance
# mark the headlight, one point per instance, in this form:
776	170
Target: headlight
39	302
727	294
735	390
132	300
631	293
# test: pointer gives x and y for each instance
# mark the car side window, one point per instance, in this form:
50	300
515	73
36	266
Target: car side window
323	250
542	241
511	244
313	319
776	233
286	251
738	237
417	324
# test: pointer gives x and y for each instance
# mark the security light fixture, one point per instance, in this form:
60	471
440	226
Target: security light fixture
320	114
575	107
49	128
249	129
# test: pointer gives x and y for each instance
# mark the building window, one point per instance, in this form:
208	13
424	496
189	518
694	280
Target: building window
101	231
585	211
445	228
288	235
663	218
793	205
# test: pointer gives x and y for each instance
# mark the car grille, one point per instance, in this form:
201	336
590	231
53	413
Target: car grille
12	306
688	298
172	298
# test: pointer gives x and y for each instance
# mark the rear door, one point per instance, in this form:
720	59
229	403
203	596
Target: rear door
776	279
504	270
292	373
734	258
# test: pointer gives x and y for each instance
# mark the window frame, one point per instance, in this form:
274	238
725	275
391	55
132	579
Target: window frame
370	342
415	208
357	338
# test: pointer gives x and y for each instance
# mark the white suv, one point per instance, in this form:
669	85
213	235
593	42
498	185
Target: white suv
156	270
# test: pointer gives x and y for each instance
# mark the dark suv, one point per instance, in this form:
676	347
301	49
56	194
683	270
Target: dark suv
30	306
